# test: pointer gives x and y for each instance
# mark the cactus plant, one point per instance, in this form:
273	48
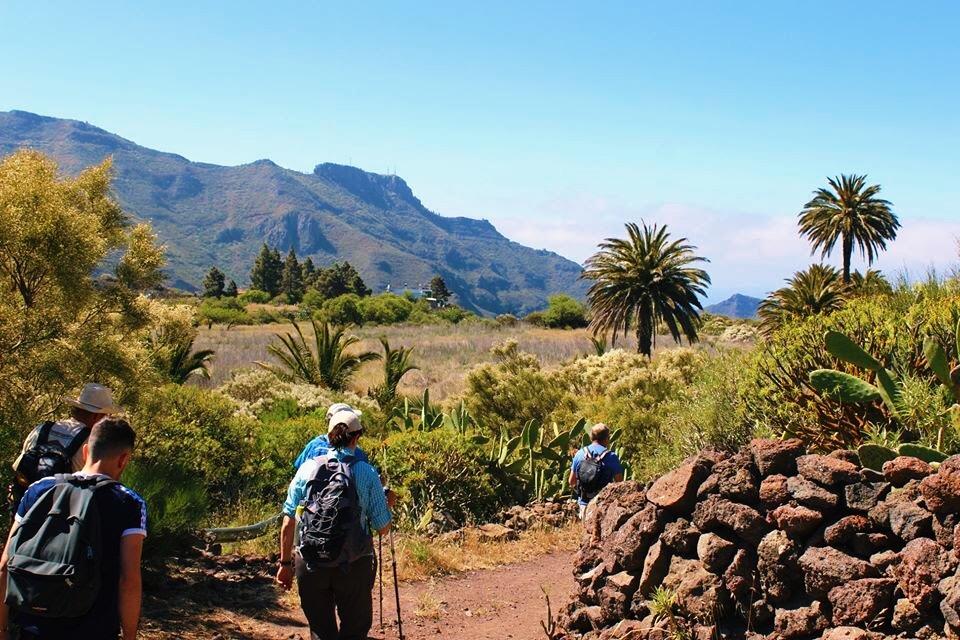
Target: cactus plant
927	454
872	456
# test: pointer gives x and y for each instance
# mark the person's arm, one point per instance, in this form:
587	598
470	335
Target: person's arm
616	467
374	501
573	469
131	586
4	609
285	570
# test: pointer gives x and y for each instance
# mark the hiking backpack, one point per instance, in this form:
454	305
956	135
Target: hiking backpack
55	553
590	476
52	452
330	529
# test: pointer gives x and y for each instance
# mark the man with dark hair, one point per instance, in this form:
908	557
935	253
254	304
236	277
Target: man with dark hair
334	576
594	467
57	447
123	527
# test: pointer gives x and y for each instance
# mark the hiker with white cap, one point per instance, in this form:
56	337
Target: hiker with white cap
57	447
320	445
334	561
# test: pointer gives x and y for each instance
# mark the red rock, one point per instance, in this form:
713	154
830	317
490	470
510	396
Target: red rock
846	455
908	521
701	592
629	545
826	471
655	567
776	456
825	568
861	602
677	489
842	532
773	491
941	490
736	478
715	512
923	563
902	469
681	536
777	566
850	633
812	495
738	577
796	521
804	622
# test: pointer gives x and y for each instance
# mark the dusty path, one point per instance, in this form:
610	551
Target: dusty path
490	604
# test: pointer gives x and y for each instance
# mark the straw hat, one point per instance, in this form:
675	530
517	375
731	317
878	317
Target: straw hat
94	398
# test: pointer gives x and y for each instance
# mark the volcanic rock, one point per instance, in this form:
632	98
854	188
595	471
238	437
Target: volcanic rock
776	456
826	471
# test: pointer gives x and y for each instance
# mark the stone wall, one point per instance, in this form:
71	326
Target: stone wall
773	543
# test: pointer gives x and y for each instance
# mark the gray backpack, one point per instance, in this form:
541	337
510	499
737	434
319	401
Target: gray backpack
55	553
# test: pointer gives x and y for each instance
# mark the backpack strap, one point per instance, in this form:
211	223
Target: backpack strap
43	435
603	455
77	442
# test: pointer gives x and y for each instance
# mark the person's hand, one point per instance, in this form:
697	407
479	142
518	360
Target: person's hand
391	499
284	579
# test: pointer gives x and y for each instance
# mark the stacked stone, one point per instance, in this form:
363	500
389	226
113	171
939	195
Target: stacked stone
774	543
550	513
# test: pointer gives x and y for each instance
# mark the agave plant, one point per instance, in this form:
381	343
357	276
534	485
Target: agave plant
818	289
327	364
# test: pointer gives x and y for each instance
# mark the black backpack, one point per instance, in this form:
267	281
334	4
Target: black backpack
590	474
55	553
49	456
330	529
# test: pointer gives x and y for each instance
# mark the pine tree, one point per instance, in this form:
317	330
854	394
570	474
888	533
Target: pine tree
338	279
230	291
213	283
267	271
438	287
291	282
309	272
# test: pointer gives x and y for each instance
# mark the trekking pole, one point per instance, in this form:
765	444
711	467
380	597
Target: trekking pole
380	567
396	584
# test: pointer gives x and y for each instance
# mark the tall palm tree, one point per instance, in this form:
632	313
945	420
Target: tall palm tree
396	364
819	289
851	212
326	365
644	280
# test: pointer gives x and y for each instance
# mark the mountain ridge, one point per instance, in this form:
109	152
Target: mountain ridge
211	214
736	306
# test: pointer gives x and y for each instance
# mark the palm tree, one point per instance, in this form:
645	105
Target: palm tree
872	282
326	365
396	364
851	212
183	363
645	280
819	289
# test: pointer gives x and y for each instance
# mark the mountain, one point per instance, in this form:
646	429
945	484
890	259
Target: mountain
209	215
736	306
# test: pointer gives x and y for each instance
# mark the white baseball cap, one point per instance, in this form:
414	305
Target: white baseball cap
348	418
341	406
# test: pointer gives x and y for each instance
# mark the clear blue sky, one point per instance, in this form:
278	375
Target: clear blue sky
558	121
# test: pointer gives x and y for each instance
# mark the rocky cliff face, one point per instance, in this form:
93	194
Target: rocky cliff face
216	215
773	543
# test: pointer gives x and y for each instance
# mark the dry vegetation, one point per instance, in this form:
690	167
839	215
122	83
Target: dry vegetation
444	353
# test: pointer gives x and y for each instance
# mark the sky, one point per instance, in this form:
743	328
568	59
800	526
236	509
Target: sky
557	121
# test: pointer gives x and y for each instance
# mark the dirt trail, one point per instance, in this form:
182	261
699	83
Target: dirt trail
491	604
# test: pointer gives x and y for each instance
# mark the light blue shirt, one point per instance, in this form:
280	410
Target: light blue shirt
320	446
611	464
374	513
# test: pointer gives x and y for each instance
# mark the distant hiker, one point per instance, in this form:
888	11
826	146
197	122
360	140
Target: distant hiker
334	561
594	467
57	447
73	554
320	445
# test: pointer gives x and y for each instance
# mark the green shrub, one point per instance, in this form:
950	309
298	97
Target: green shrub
535	318
196	430
222	311
176	500
564	312
254	296
507	320
445	472
452	313
343	310
386	308
508	393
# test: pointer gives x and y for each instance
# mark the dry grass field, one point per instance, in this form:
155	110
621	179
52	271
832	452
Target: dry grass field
444	353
